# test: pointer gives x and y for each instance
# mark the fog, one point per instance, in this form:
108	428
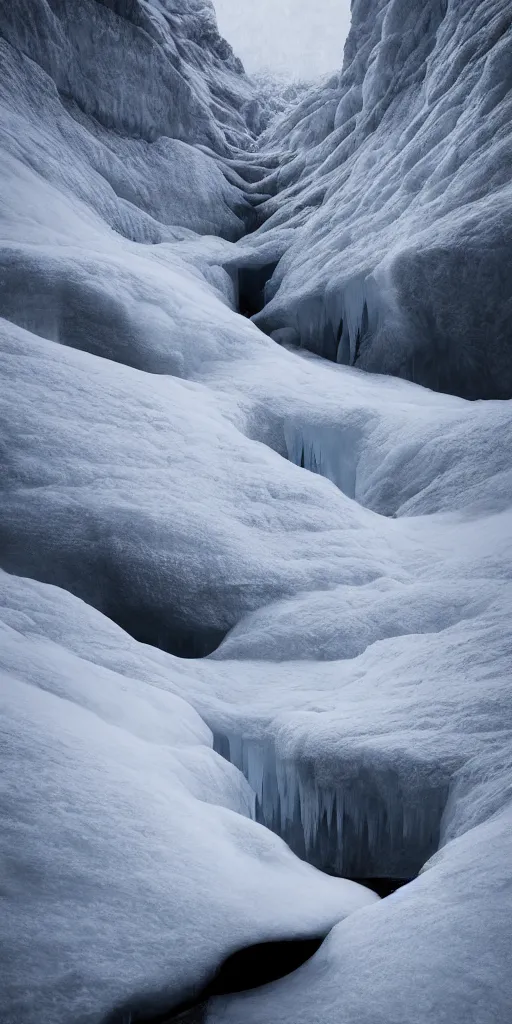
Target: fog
297	38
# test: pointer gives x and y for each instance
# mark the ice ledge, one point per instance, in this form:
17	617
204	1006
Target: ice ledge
369	826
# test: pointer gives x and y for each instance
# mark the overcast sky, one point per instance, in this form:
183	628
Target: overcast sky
302	38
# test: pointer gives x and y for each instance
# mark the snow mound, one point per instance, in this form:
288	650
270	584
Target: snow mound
431	951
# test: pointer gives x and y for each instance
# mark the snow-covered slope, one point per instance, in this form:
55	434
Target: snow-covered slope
431	952
401	198
175	484
130	865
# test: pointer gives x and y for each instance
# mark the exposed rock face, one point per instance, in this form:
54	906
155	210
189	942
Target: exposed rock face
402	262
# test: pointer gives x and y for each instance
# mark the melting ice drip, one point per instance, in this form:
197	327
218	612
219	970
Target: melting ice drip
368	827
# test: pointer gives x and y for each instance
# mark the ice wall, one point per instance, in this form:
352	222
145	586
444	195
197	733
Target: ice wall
370	825
127	107
401	200
147	69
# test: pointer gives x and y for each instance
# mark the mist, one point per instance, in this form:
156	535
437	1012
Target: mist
301	39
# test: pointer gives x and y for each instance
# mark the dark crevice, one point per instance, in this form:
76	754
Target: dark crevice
382	886
167	632
261	964
244	970
251	288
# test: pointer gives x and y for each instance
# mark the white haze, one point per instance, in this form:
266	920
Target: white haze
297	38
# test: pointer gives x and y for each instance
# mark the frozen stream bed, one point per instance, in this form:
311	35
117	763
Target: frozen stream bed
255	600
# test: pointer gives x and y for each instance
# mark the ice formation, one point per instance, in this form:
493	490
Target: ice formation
208	530
110	787
367	826
401	263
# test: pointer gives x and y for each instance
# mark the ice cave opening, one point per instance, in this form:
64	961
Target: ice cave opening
167	632
368	826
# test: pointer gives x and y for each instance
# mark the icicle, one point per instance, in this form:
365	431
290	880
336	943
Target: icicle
350	312
351	829
327	451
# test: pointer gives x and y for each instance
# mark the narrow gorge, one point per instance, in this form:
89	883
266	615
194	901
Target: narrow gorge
255	520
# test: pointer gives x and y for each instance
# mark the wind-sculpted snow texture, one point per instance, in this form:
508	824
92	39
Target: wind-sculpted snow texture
224	557
401	198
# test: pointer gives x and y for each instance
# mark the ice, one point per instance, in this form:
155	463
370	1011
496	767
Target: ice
206	533
406	192
100	53
382	728
333	454
397	465
109	788
429	952
363	827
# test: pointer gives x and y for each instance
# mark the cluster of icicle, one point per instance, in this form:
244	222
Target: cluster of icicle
330	453
368	827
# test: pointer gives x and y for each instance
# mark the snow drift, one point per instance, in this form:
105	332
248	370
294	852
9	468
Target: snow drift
110	786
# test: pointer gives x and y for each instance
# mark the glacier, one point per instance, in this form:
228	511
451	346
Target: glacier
256	515
401	263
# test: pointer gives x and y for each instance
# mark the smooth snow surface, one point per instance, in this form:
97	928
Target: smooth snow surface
433	951
238	580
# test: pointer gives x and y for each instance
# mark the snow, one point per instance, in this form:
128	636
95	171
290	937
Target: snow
431	951
404	179
209	538
110	786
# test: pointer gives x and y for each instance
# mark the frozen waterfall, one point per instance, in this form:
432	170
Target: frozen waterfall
367	827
